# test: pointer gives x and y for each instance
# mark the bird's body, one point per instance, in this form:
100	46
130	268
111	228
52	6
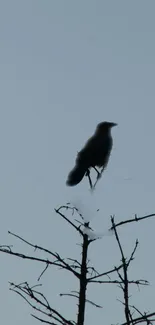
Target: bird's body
96	152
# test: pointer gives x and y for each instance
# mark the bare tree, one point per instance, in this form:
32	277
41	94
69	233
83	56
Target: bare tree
84	272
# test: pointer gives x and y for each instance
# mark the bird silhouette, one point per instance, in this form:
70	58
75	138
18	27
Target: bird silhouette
95	153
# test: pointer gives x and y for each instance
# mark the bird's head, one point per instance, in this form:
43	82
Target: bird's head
103	126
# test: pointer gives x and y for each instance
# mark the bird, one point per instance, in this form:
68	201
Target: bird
95	153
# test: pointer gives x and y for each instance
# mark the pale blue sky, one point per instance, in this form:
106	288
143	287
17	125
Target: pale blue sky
64	67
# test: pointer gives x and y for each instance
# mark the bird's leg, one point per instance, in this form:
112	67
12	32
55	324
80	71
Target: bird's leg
98	173
89	178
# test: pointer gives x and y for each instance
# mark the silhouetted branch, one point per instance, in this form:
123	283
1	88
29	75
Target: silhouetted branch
42	320
64	217
24	290
132	254
77	296
135	219
46	267
144	318
137	282
60	262
125	278
115	269
83	281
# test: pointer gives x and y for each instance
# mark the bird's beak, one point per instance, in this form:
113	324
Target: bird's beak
113	124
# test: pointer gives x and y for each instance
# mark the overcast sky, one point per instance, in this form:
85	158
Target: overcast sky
64	67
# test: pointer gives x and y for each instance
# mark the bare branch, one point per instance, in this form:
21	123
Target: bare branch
133	253
46	267
77	296
137	282
48	262
135	219
60	262
64	217
115	269
83	281
125	280
25	289
43	321
141	319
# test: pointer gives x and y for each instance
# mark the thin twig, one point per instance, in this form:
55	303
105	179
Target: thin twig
46	267
43	320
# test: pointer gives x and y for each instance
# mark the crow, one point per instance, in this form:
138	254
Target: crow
96	152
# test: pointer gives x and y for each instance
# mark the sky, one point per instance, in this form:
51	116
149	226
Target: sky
64	67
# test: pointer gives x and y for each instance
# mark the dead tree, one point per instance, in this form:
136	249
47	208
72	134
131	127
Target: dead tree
83	272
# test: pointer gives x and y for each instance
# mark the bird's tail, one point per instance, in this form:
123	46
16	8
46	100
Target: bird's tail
76	175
